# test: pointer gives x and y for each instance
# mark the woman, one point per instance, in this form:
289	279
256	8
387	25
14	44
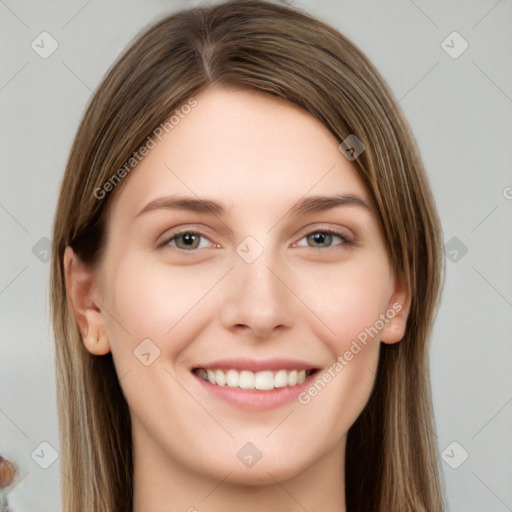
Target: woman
246	268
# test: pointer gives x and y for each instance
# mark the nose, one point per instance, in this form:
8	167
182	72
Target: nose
258	300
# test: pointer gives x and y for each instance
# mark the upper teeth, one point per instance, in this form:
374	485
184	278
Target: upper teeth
245	379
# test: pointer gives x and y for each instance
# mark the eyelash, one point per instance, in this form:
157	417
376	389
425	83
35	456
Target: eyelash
345	241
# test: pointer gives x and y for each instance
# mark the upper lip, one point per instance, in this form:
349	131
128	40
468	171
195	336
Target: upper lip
256	365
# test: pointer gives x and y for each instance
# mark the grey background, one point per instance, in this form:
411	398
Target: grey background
460	111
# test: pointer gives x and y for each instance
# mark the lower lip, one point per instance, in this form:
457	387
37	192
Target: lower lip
254	399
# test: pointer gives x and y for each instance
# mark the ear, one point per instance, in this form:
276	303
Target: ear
81	288
396	314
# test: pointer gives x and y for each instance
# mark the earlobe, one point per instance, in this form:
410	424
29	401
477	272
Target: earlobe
396	316
81	288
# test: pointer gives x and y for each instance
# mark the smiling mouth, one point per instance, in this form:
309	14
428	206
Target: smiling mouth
245	379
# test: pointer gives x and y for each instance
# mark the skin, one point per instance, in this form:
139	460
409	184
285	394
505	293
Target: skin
257	156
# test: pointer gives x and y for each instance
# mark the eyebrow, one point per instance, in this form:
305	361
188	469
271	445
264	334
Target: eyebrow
311	204
186	203
317	204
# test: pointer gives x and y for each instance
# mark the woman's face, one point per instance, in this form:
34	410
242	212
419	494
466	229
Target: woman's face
244	244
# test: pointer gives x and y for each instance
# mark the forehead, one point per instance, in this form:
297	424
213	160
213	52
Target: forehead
242	147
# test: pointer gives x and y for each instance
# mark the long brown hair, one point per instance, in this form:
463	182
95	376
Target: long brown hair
392	462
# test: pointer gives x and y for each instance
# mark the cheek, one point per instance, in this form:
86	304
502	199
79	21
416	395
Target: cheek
154	301
348	300
159	310
350	306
